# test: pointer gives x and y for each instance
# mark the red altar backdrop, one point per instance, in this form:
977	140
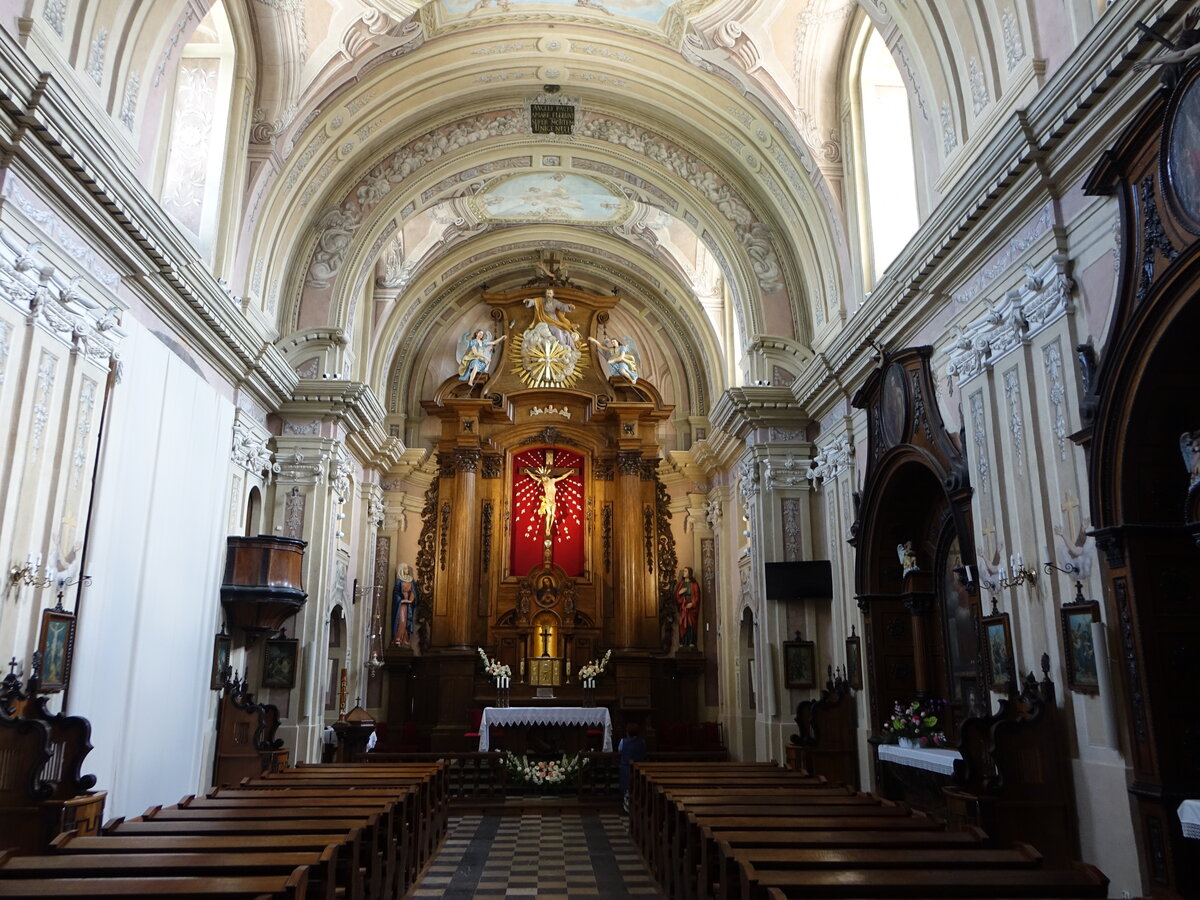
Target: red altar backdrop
559	472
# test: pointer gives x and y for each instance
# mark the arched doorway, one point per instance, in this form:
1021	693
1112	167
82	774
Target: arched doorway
1142	434
914	536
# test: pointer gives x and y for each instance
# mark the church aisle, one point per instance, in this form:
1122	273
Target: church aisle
567	855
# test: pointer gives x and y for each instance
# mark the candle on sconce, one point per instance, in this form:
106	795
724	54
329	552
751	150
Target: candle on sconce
1047	556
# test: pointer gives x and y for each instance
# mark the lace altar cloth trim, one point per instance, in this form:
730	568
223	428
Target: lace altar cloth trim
931	759
1189	818
544	715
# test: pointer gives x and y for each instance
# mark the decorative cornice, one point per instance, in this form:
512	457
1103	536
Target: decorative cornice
740	410
357	411
57	138
1062	118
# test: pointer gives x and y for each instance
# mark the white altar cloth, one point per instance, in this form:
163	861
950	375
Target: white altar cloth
544	715
1189	818
931	759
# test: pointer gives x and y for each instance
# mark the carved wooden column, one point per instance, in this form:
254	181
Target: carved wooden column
918	600
456	551
629	553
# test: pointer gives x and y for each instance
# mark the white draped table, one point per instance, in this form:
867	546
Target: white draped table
544	715
931	759
1189	818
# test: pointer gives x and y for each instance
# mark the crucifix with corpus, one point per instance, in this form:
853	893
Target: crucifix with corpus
548	476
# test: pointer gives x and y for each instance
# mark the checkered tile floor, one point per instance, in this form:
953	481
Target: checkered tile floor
537	856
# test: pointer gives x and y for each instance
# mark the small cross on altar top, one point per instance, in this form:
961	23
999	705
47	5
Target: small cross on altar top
546	634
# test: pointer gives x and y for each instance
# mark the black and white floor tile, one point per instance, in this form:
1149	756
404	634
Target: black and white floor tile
566	856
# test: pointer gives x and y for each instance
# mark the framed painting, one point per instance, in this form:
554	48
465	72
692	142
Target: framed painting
279	663
998	652
220	666
1079	650
1179	169
854	660
56	646
799	663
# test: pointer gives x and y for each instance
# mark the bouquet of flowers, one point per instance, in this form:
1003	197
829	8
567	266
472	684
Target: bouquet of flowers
918	723
593	669
495	669
543	771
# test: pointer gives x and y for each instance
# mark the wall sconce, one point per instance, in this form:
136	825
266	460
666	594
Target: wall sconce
1016	574
968	577
1069	569
30	573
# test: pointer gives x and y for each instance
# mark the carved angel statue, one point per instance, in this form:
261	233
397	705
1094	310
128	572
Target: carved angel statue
620	355
474	355
1189	446
908	559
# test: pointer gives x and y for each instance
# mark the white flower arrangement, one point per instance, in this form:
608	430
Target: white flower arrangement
495	669
543	772
592	670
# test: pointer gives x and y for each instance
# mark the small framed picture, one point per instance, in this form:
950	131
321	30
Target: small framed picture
220	668
56	647
799	663
854	660
1079	650
998	652
279	663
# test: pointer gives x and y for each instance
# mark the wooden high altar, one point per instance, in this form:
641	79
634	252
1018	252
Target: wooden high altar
546	516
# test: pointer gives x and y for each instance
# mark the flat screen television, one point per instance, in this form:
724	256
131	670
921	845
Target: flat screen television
807	580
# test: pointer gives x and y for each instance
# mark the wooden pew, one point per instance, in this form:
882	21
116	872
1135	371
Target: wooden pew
1080	880
405	832
682	853
379	858
321	866
771	839
342	851
679	841
368	862
394	813
715	826
427	826
433	781
742	868
250	887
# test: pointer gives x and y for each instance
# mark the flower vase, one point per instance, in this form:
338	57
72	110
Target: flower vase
502	692
589	692
908	743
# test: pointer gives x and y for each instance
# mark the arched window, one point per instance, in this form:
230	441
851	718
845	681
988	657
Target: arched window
198	117
886	175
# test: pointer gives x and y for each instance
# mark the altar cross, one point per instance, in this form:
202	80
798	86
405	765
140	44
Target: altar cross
546	634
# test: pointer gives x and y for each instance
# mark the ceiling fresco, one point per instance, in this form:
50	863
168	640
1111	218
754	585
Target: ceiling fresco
550	197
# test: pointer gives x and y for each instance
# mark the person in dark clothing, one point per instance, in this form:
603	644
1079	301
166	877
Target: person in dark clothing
632	749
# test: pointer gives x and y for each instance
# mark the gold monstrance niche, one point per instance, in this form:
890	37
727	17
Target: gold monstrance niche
550	543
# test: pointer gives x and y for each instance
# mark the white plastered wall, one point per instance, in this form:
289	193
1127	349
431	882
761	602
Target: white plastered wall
143	652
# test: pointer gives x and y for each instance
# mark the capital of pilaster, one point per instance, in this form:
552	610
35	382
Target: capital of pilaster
466	459
629	462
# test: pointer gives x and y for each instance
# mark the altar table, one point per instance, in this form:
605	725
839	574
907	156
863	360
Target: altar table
544	715
931	759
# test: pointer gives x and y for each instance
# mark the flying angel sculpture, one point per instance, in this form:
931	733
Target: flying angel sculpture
621	356
475	350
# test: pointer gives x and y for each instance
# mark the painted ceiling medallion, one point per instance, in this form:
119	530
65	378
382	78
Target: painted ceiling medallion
550	197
